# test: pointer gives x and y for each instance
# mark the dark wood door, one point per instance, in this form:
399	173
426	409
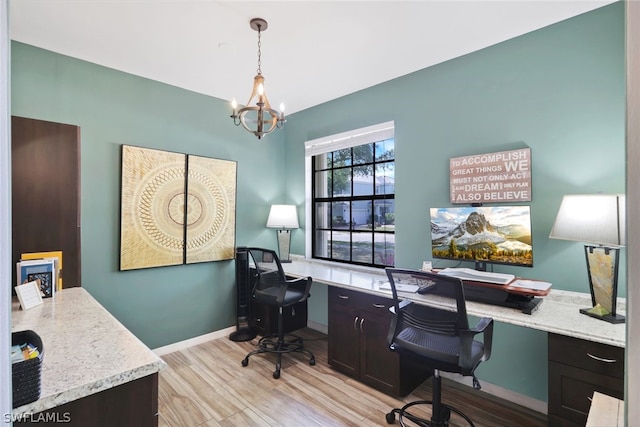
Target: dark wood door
577	368
344	335
45	174
379	366
134	403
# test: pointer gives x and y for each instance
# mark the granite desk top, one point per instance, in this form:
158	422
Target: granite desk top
86	350
558	313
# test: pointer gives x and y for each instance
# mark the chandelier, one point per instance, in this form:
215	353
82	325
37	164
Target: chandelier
259	119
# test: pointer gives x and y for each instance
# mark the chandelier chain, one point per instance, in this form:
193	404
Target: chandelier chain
259	51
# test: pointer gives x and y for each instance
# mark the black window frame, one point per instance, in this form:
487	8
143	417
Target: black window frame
331	199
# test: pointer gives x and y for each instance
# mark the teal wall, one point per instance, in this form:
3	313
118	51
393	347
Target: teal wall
159	305
559	91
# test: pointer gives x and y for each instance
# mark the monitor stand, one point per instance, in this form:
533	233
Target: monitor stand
527	303
489	295
480	266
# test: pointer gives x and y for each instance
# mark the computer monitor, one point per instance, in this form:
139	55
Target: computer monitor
483	235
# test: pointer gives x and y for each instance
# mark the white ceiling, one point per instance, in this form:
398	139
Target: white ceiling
312	51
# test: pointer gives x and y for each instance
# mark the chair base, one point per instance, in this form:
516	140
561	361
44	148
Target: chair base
437	420
288	343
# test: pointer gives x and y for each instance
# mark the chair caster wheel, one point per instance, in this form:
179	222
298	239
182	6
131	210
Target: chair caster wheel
312	361
276	374
245	362
391	417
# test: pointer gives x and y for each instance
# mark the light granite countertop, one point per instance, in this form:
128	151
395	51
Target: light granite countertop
558	313
86	350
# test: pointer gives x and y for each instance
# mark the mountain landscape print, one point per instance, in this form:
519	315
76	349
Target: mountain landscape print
499	234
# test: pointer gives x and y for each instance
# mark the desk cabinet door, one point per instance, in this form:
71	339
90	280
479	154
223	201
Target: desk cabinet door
344	336
571	390
577	368
358	329
379	366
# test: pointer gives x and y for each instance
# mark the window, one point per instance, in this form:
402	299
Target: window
352	200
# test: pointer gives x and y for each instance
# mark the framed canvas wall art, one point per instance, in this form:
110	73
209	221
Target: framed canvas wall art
159	226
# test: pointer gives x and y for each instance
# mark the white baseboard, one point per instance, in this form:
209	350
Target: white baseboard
317	327
181	345
501	392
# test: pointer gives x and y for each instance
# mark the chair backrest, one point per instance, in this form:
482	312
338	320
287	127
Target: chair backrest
270	284
445	292
267	266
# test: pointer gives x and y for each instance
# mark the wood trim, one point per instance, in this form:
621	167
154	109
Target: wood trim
633	207
6	269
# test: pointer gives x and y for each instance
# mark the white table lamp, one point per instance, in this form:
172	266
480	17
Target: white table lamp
599	220
284	218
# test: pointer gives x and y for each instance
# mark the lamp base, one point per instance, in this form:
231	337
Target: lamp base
611	318
284	244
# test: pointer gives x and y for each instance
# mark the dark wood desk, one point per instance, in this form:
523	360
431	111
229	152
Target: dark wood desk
558	315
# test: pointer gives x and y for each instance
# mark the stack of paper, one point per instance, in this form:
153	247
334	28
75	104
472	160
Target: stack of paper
534	285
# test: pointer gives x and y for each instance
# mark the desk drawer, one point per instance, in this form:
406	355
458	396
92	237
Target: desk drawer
377	305
342	297
595	357
347	297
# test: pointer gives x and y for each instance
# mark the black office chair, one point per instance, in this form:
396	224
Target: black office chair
272	287
440	337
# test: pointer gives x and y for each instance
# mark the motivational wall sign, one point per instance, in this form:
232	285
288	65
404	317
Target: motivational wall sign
504	176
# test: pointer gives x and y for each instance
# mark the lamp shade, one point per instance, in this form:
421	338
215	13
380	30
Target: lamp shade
283	216
591	218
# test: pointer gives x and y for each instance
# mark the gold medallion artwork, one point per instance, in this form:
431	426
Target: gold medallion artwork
157	219
211	209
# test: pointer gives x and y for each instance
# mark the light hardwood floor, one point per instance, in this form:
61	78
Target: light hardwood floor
206	386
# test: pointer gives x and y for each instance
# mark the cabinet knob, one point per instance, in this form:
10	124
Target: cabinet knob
343	297
355	323
361	324
379	305
601	359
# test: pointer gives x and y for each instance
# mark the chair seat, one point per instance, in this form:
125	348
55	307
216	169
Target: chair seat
271	294
443	349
